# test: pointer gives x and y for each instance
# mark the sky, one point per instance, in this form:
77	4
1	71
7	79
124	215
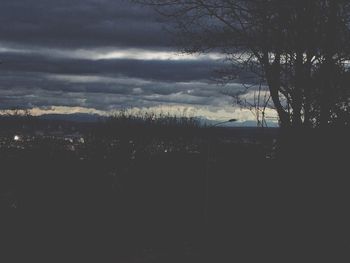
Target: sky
100	56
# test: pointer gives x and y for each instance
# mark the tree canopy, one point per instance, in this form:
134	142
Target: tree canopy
299	48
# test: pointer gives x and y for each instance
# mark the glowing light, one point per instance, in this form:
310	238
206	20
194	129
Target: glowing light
16	138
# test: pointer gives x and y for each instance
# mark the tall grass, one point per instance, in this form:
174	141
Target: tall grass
146	125
152	119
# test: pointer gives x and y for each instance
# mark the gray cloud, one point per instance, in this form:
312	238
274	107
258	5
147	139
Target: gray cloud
101	54
80	23
101	92
167	70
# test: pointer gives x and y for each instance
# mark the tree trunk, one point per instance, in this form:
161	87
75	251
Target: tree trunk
298	91
326	95
326	99
307	92
272	73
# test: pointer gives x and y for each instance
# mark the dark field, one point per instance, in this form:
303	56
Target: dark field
173	193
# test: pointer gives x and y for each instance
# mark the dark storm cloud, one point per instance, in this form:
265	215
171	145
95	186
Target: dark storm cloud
34	89
80	23
166	70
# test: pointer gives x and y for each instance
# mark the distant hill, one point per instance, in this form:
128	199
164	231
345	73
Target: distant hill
251	124
89	118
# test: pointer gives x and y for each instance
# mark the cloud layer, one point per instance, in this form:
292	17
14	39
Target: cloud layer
102	55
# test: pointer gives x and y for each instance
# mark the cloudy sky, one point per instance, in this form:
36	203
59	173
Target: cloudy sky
99	56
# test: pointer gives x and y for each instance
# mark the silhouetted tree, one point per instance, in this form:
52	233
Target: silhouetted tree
286	42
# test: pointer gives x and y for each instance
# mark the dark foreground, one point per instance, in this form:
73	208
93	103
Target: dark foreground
184	198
